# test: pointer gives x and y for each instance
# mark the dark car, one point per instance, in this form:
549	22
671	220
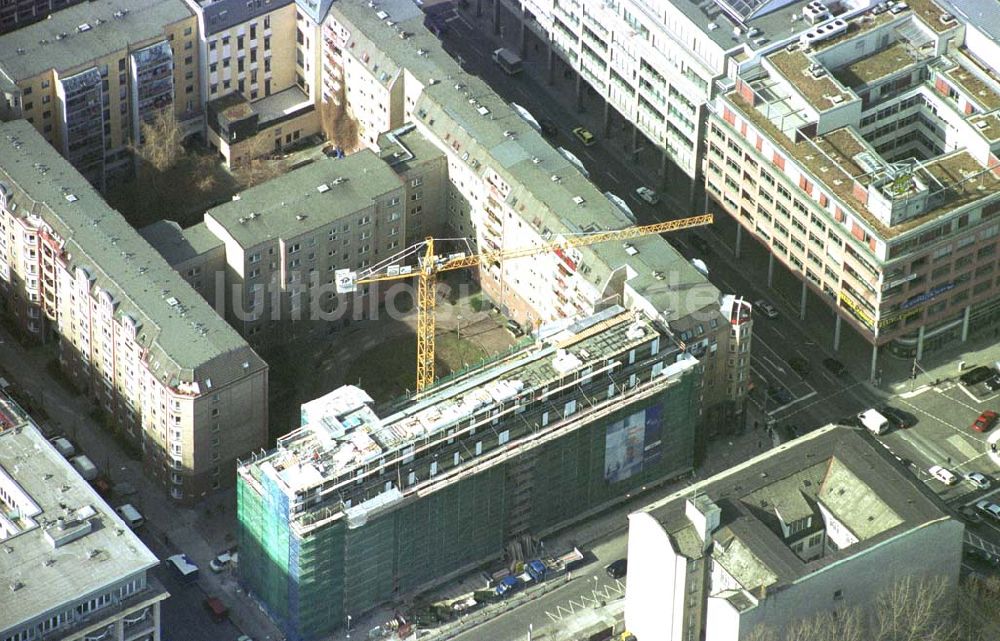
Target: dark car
836	367
515	328
548	127
700	244
976	375
898	418
617	569
779	395
799	365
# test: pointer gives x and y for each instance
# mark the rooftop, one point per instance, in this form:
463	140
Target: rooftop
220	15
857	482
187	340
305	199
177	245
822	92
342	432
463	113
977	81
892	60
75	36
60	540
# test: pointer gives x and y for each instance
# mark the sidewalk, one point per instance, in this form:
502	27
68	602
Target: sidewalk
200	532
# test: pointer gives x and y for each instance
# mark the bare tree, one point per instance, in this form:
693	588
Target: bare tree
915	609
257	167
160	146
339	126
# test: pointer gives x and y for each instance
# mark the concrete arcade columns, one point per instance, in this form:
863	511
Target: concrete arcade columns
770	270
802	301
739	237
873	374
965	322
836	332
920	343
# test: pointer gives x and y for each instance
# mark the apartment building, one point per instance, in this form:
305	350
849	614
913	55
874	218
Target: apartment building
248	71
73	568
655	63
15	14
166	370
508	188
364	505
89	75
827	523
864	158
286	238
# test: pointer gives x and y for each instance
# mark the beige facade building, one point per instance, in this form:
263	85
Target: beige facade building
865	158
89	75
155	358
257	101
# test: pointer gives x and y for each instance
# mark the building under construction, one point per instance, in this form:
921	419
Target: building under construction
358	507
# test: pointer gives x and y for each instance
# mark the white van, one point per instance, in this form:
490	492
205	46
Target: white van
875	422
943	475
130	515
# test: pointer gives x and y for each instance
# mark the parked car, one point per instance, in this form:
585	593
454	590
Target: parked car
799	365
617	569
944	475
985	422
836	367
989	508
548	127
700	244
898	418
583	135
766	308
515	328
978	480
648	195
976	375
993	383
220	562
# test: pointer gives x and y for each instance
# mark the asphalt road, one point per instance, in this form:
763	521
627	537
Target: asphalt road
589	585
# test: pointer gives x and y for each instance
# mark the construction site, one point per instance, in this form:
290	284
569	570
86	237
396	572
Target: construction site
364	505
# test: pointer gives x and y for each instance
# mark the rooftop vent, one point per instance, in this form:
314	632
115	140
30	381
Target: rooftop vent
300	217
83	27
15	586
64	531
630	249
555	178
536	160
323	188
947	18
173	302
578	200
71	198
339	179
712	26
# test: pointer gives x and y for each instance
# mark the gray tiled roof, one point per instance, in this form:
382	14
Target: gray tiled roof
189	340
38	47
278	204
223	14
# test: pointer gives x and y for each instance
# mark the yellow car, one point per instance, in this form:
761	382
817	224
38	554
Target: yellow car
584	135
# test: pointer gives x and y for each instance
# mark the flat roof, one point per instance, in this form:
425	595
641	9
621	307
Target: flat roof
177	245
112	26
464	113
819	91
306	198
187	340
856	479
342	432
885	62
48	488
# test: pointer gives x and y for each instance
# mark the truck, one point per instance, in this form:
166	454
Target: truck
541	569
509	61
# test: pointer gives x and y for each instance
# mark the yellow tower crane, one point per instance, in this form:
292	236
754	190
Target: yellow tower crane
430	264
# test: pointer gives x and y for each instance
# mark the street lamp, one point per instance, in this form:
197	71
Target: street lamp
348	626
530	628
